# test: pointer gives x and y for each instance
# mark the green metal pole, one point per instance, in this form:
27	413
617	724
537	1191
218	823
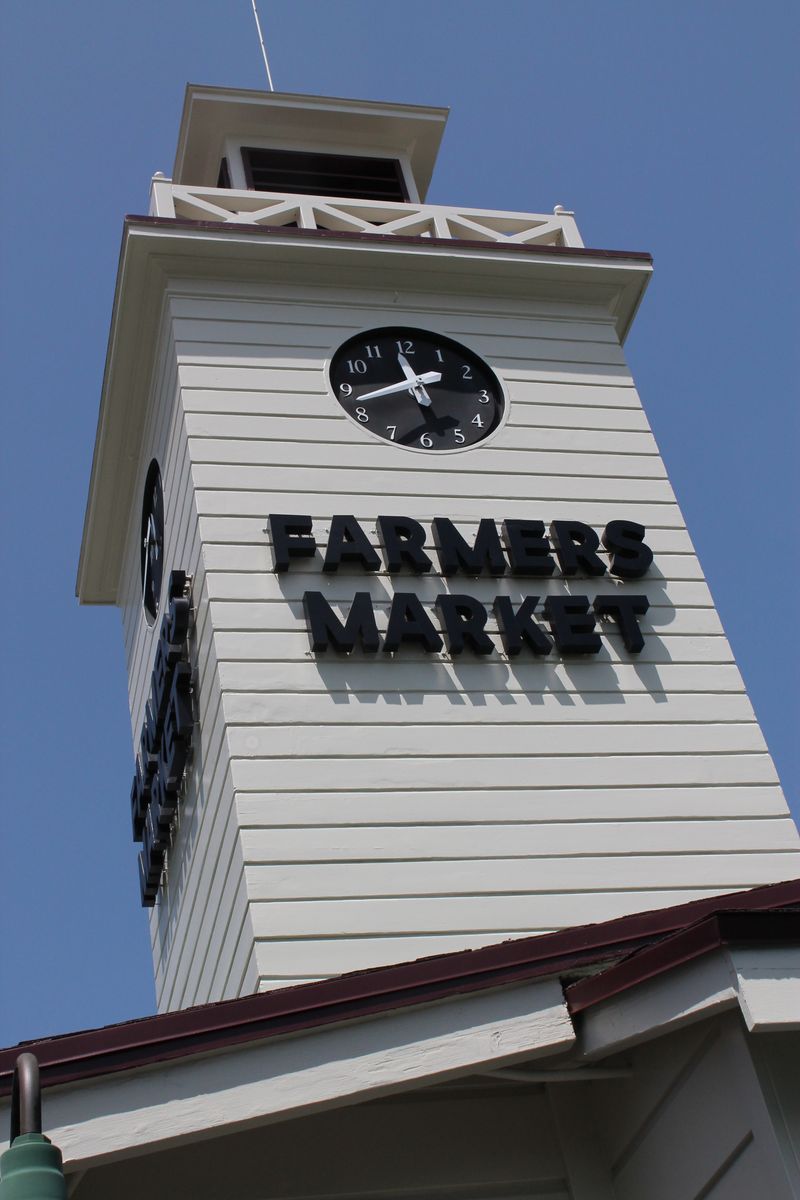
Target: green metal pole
31	1167
31	1170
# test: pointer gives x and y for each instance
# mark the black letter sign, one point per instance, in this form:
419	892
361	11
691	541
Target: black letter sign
623	610
517	628
630	556
410	624
290	539
402	540
575	545
572	624
348	543
527	547
463	620
325	629
456	555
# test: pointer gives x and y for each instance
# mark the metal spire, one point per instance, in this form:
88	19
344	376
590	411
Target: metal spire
263	47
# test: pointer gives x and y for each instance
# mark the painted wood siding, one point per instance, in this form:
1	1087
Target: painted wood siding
481	1143
389	810
692	1121
196	924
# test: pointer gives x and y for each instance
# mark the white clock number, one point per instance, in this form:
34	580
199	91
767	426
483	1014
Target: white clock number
483	397
460	439
466	371
439	355
361	414
373	351
346	390
405	347
477	420
356	366
426	440
392	431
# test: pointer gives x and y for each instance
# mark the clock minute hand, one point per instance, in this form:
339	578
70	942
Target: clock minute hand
405	385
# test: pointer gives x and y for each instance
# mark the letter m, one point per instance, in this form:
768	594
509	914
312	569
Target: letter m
325	629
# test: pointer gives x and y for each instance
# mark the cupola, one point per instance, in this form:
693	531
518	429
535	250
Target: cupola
307	145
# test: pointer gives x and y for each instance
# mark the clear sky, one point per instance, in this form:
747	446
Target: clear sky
666	127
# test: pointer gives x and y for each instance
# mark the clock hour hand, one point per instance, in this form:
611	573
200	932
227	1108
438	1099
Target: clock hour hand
416	381
405	385
406	368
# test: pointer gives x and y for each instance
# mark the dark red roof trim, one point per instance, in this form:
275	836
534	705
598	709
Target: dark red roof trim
682	947
345	235
154	1039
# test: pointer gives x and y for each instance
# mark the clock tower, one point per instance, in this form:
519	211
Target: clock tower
420	655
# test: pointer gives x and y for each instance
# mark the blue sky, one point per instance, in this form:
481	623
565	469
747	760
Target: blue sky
666	127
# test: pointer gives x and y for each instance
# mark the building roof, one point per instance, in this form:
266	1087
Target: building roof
594	962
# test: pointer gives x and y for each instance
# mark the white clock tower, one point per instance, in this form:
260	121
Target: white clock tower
397	693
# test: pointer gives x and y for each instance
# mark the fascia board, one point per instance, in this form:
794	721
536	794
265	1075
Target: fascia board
690	993
113	1117
129	357
763	981
768	986
158	250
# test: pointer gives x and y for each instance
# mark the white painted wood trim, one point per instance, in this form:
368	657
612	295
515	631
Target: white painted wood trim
768	984
764	982
670	1001
588	1174
114	1117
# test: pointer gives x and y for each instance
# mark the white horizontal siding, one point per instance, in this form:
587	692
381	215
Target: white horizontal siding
492	806
509	841
275	408
367	305
242	438
320	713
416	678
280	919
391	501
231	532
239	367
517	348
726	871
248	646
479	479
387	809
612	770
524	461
503	741
252	585
287	615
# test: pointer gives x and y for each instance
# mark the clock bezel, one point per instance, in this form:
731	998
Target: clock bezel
430	333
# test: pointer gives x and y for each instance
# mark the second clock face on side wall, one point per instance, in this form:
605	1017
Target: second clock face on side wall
417	389
152	543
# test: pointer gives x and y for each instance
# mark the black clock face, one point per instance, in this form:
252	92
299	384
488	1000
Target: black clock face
417	389
152	543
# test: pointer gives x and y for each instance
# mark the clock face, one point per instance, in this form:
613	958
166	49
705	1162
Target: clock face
152	543
417	389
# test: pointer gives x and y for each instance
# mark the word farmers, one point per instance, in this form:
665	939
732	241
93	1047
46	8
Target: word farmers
521	548
524	548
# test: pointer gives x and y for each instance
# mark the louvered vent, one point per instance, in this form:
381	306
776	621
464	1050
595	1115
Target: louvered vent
305	173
